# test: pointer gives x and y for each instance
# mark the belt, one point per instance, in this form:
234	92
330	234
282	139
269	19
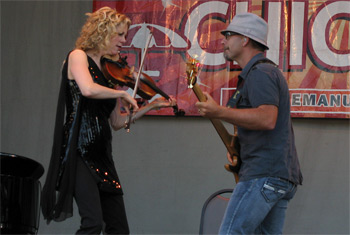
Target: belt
286	180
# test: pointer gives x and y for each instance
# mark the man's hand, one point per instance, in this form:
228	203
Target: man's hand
208	108
229	158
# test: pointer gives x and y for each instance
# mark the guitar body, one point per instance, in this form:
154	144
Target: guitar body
230	141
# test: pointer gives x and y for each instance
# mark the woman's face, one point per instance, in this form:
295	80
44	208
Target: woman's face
118	40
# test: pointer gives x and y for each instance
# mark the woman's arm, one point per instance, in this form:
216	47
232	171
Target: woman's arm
78	70
118	119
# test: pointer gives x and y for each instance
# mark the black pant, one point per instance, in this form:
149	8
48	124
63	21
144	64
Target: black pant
96	207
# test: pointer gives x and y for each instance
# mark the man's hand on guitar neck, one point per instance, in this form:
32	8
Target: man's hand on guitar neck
208	108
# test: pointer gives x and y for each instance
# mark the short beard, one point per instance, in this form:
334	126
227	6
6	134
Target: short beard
227	58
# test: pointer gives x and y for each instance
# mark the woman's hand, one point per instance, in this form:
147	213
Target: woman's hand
162	103
127	100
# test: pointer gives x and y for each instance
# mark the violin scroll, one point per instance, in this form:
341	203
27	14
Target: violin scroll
178	112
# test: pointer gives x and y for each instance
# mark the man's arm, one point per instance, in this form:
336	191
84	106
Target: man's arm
263	117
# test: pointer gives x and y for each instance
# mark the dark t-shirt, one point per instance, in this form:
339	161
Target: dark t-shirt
266	152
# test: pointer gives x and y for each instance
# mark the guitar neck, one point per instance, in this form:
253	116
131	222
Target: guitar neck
226	138
199	93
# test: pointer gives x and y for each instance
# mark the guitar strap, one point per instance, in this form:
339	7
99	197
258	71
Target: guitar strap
236	97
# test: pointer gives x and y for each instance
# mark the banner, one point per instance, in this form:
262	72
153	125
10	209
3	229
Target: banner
308	40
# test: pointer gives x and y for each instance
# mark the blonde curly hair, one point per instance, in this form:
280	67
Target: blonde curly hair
99	28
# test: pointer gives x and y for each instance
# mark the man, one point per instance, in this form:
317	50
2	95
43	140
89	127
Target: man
270	170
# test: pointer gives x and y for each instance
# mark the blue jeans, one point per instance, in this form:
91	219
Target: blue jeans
258	206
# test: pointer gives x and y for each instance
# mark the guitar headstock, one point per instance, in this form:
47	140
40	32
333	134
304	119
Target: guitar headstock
192	66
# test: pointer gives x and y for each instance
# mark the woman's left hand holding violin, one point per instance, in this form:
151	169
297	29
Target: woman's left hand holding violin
163	103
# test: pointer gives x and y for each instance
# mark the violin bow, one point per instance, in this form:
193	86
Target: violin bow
127	124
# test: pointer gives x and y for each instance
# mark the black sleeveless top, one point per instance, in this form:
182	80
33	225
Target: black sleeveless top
86	133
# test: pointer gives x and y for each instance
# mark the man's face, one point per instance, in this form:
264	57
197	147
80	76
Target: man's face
232	45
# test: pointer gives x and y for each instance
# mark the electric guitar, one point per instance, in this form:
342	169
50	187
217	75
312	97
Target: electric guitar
230	141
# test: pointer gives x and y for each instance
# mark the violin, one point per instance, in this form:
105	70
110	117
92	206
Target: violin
119	73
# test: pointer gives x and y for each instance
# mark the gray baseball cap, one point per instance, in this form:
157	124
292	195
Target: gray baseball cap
249	25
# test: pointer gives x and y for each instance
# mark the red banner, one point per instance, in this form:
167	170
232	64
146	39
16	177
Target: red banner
308	40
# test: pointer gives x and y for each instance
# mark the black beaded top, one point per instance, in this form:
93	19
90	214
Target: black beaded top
94	138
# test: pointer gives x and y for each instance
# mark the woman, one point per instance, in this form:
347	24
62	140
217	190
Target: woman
81	163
